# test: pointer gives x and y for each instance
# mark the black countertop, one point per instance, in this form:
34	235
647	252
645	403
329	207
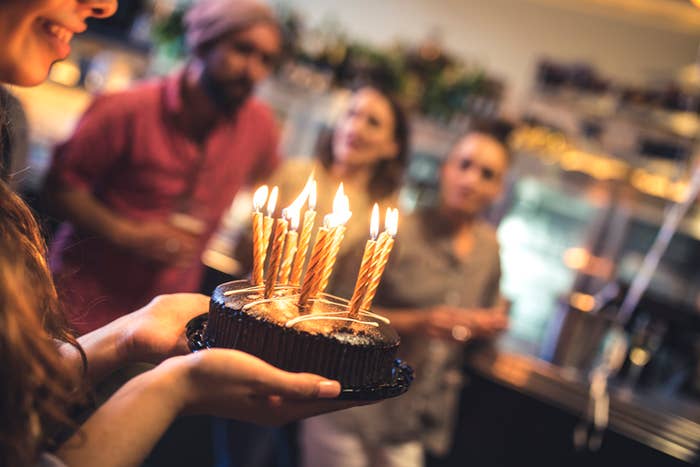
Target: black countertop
669	425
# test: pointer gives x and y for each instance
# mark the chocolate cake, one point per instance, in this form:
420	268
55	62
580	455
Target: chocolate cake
359	353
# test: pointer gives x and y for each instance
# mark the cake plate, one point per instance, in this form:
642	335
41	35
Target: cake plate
402	373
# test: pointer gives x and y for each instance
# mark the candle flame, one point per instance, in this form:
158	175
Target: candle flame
328	221
392	222
300	200
312	195
272	202
341	209
374	223
292	215
309	192
339	199
259	198
294	220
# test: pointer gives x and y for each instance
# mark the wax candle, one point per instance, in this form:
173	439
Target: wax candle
341	215
305	236
268	221
259	198
364	275
290	247
312	275
281	226
385	243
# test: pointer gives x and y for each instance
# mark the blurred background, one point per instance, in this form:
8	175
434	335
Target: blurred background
606	99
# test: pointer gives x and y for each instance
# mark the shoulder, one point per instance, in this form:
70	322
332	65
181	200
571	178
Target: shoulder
258	111
410	233
136	99
487	236
413	222
295	168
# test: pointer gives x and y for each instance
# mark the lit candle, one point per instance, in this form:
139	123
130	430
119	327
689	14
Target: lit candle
318	254
258	244
384	245
273	266
269	221
305	236
364	276
290	245
320	264
341	215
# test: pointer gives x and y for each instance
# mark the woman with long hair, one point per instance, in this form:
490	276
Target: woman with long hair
367	150
46	373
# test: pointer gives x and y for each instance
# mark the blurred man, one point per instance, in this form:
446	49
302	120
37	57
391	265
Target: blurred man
440	290
148	172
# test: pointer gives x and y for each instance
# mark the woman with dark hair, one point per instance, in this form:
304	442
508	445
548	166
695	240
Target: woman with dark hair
46	372
367	150
370	141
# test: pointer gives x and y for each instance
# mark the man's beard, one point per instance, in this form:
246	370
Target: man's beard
220	92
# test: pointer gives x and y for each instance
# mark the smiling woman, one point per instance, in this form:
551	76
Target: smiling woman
36	33
45	371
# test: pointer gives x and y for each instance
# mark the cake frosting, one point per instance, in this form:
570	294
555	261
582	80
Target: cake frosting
358	352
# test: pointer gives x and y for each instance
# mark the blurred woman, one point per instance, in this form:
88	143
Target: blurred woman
367	151
440	290
45	371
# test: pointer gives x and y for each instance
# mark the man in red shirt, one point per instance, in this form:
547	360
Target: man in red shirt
148	172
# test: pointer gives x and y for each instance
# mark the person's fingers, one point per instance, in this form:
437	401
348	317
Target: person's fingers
298	385
194	303
267	380
189	303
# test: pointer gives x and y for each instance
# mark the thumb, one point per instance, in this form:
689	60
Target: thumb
300	386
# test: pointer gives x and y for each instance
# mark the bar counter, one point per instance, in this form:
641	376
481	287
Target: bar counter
516	407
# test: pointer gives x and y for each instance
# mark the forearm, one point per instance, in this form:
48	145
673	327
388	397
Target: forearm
124	430
86	212
406	321
105	349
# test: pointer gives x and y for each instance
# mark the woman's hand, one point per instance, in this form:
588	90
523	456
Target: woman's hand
157	331
233	384
454	323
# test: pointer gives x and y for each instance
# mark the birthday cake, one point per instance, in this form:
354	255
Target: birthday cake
323	340
284	316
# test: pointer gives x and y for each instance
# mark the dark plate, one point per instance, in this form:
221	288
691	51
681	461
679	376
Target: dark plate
402	374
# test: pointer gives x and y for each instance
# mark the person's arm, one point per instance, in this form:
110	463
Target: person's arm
158	241
225	383
81	209
92	154
442	321
150	334
445	321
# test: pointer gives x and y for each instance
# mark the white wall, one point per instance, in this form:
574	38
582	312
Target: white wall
509	36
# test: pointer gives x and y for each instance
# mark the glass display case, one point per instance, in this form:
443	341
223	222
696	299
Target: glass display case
542	225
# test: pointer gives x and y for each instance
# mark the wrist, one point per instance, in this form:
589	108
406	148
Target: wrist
129	347
121	232
174	379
